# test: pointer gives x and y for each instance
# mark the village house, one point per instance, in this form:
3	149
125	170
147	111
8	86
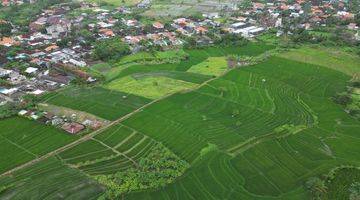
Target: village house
58	26
73	127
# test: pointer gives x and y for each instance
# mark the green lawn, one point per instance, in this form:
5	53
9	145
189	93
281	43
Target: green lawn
327	57
151	87
215	66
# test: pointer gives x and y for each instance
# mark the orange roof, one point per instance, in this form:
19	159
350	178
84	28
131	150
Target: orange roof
107	32
284	7
201	29
35	60
7	41
51	47
158	25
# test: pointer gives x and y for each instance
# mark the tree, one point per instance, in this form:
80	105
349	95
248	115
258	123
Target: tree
110	49
342	99
246	4
5	29
355	191
317	187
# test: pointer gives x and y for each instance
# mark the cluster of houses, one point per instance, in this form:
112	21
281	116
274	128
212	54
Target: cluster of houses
309	14
49	59
69	124
15	2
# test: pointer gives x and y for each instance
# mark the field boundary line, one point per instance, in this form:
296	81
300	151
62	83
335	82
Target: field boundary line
116	151
137	144
125	140
19	146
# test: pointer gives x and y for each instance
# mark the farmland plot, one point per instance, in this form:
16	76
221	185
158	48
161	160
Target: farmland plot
22	140
151	87
49	179
116	149
258	132
98	101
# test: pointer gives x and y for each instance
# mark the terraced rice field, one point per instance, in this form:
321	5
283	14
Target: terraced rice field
117	149
240	113
257	132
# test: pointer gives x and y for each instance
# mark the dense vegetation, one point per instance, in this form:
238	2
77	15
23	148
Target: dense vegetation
341	183
158	168
111	49
22	15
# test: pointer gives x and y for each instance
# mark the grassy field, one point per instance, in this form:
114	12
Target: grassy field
151	87
327	57
26	140
214	66
106	104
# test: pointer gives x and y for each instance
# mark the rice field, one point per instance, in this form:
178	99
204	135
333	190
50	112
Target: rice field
27	140
257	132
49	179
117	149
241	114
106	104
